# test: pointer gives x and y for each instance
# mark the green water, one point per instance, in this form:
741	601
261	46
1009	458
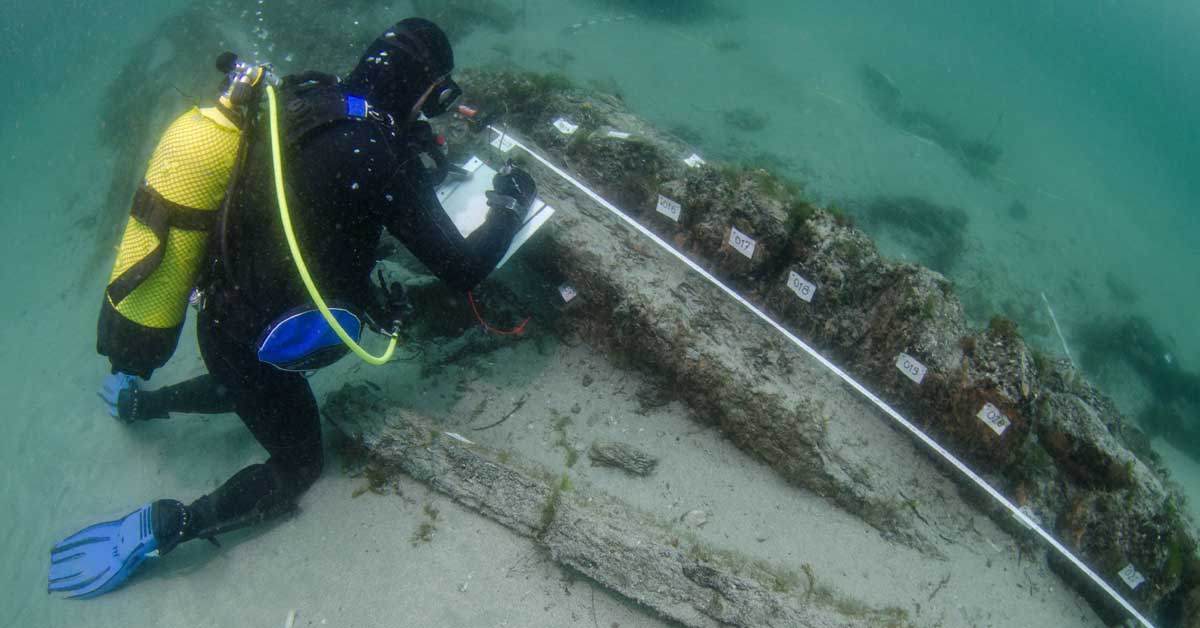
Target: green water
1089	198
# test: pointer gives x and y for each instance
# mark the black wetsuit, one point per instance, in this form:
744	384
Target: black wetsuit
346	181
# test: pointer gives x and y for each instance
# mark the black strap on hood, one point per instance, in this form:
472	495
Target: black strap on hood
401	64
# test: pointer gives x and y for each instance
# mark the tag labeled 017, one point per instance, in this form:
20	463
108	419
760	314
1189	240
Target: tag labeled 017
741	242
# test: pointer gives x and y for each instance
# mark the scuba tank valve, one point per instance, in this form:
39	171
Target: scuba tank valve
245	81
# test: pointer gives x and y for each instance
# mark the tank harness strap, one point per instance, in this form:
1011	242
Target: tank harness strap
232	115
159	215
308	109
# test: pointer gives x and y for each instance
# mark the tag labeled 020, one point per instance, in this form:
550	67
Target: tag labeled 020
994	418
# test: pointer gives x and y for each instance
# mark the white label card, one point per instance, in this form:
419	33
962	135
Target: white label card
669	208
742	242
568	292
912	368
994	418
694	161
801	286
1131	576
565	126
504	143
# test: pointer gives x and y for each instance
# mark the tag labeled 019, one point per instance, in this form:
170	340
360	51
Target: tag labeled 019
911	368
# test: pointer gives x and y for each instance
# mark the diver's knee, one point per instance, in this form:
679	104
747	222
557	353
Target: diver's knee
311	469
298	472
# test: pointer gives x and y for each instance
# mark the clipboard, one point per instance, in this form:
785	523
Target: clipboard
465	201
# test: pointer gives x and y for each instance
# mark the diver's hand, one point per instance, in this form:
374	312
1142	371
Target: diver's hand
390	306
118	392
512	190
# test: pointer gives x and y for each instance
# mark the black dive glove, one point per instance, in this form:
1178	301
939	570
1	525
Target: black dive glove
390	306
513	191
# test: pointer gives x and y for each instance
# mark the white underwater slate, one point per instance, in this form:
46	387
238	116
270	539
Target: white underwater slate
465	201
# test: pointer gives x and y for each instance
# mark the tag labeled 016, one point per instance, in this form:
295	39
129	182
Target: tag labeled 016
669	208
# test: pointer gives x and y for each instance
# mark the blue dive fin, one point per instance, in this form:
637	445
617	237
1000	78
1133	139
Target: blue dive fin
98	558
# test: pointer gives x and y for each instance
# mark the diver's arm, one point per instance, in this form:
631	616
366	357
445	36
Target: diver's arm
417	219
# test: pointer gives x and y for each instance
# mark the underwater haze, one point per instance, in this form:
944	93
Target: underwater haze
1042	157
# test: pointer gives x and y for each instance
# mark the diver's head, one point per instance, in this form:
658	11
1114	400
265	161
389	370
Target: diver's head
406	71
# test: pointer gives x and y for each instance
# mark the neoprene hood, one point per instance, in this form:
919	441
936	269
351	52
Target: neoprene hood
401	64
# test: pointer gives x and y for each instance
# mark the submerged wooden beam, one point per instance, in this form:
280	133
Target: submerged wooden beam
601	537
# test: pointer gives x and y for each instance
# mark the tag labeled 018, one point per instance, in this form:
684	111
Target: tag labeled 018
1131	576
801	286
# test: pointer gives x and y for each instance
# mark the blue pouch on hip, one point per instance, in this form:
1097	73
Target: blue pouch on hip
301	339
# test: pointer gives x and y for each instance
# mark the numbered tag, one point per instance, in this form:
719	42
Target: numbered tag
568	292
565	126
694	161
801	286
1028	512
669	208
912	368
994	418
504	143
621	135
742	242
1131	576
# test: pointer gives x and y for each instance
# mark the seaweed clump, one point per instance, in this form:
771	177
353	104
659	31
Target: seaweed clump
936	233
674	11
976	156
747	120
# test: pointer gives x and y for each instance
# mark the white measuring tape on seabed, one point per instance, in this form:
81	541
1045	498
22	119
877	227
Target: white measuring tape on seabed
505	138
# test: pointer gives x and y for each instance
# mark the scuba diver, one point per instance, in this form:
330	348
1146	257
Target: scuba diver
360	159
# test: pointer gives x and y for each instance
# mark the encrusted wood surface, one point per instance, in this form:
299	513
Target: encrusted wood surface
603	538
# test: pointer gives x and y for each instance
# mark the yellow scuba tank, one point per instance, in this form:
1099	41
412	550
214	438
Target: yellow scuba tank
167	236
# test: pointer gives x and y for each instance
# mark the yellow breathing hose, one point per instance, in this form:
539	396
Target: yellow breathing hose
286	218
